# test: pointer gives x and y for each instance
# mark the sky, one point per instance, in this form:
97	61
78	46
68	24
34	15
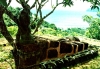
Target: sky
79	5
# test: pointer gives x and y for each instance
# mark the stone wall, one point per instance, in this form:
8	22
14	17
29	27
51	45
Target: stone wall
44	49
58	49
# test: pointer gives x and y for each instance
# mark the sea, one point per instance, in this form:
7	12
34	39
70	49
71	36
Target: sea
65	19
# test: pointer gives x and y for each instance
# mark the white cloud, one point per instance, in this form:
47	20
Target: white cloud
79	5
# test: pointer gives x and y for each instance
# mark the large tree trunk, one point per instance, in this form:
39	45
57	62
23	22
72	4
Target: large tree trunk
24	31
23	41
27	50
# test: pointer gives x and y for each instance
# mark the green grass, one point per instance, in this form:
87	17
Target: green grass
6	58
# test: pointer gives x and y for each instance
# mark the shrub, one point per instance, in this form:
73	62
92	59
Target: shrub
94	30
13	30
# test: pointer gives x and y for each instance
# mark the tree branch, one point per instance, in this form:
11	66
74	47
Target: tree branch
37	11
40	9
24	4
41	20
27	1
45	3
14	18
18	1
56	1
52	10
33	4
5	32
3	27
9	2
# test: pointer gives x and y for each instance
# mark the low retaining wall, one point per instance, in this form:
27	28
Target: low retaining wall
45	49
67	61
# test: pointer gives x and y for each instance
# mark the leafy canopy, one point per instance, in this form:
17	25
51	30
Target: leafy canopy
3	3
95	3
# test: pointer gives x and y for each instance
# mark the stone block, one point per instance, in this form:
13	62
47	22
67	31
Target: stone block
85	45
65	47
54	44
52	53
80	46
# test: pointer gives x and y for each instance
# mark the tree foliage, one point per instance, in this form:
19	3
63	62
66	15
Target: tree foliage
22	19
94	3
3	2
94	30
75	31
98	14
23	14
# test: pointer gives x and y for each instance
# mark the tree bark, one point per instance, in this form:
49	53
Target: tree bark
26	52
23	39
3	28
24	31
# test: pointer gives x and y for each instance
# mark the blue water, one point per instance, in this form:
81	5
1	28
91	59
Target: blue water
67	19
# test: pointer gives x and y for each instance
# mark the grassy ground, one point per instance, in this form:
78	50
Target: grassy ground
6	59
7	62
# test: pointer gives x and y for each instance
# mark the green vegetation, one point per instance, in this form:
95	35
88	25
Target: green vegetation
45	28
13	30
6	58
48	28
7	61
94	30
21	18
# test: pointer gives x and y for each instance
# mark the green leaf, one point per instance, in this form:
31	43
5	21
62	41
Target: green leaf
68	3
3	3
95	7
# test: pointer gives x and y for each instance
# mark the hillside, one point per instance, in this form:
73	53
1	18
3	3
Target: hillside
7	62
